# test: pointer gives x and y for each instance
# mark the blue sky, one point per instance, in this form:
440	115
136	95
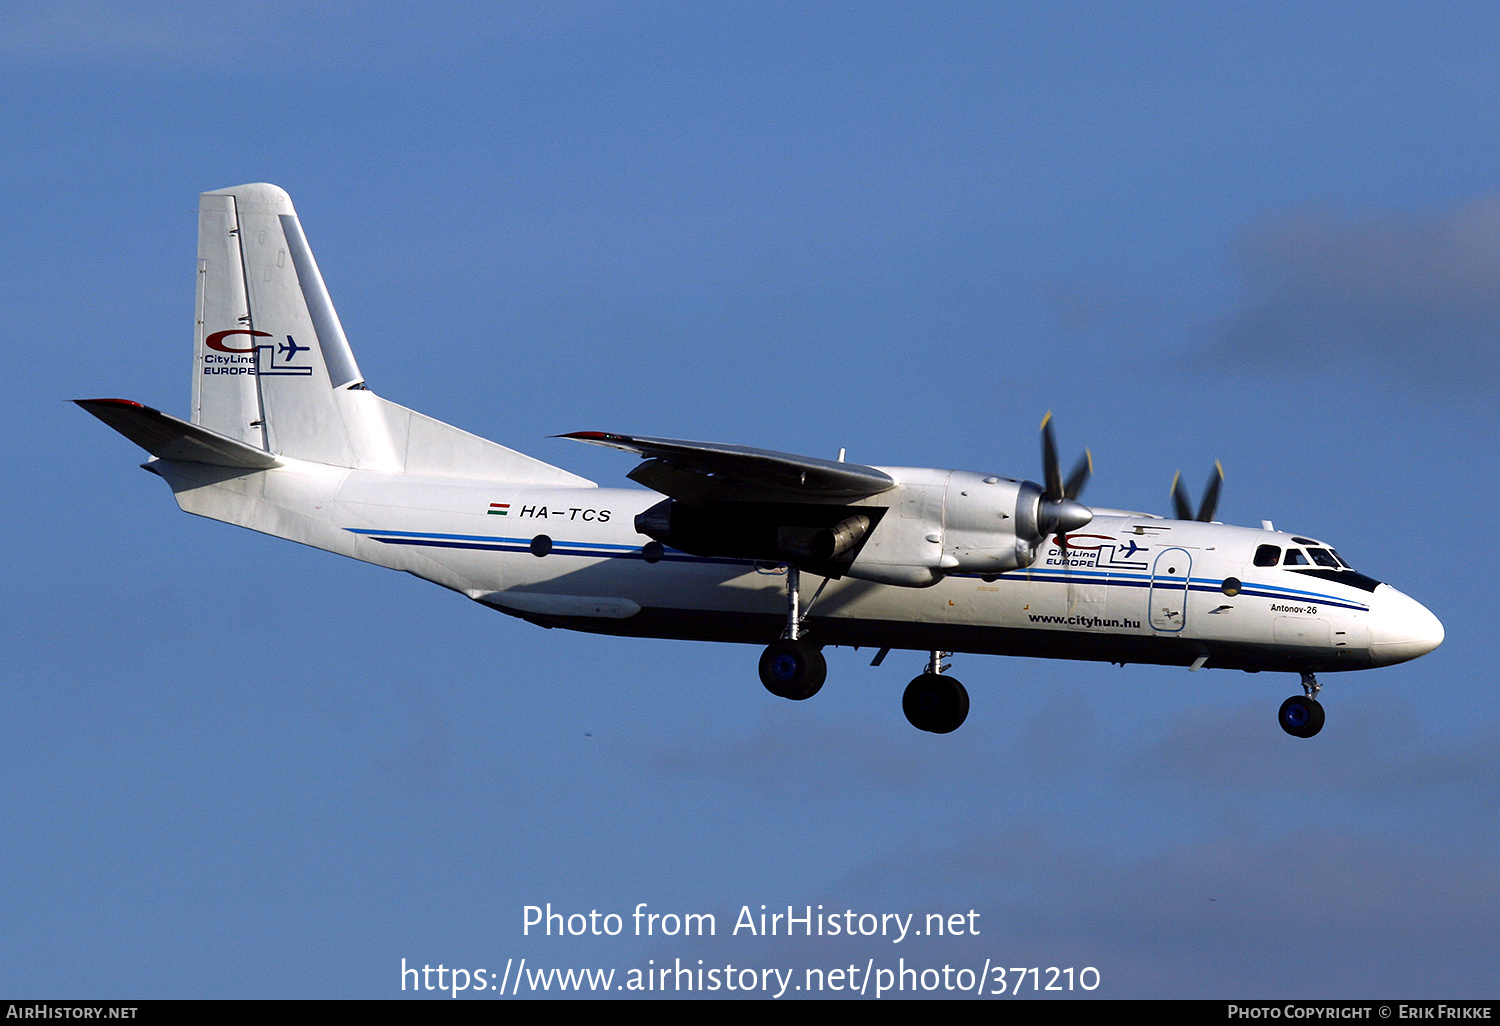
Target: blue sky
1267	234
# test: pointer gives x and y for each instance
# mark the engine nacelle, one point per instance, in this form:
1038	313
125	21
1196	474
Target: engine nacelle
932	523
821	538
960	522
974	542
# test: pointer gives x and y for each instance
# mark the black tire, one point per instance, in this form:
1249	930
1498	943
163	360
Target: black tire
936	704
1317	719
1300	716
793	669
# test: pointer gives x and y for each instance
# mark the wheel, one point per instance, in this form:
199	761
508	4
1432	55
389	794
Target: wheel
936	704
793	669
1300	716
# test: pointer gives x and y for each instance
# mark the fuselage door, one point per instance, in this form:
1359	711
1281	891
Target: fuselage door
1166	600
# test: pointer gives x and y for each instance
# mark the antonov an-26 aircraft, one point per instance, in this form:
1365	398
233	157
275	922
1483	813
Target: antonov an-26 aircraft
285	438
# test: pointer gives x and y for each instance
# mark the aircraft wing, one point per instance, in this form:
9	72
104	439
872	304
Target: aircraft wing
700	472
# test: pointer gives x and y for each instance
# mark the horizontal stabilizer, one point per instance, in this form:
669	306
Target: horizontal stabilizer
168	438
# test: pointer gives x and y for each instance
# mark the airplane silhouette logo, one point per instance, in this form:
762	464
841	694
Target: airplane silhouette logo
290	348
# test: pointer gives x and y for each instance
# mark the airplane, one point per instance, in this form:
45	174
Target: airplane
285	438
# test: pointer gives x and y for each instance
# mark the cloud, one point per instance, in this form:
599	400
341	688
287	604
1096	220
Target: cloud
1415	297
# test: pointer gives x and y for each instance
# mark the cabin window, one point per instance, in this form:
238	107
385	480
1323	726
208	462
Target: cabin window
1268	555
1294	557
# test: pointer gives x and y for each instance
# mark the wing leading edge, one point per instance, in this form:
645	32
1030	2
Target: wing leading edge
702	472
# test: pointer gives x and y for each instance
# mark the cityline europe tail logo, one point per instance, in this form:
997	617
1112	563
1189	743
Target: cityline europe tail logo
255	358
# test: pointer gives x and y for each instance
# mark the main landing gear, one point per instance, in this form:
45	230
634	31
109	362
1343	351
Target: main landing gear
793	668
1302	715
933	702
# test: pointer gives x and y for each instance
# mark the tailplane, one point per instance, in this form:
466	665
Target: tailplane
167	438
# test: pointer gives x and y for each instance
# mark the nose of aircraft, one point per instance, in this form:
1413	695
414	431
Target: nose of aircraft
1403	628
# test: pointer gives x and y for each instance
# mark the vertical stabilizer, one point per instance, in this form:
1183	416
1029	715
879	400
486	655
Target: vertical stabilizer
271	356
272	368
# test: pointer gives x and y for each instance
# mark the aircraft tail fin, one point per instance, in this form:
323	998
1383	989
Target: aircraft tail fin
270	353
272	368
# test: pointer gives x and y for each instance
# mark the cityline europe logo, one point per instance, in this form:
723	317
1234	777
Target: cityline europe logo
256	358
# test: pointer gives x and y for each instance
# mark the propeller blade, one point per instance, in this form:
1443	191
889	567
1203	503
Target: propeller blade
1184	505
1080	476
1061	512
1180	500
1211	496
1052	474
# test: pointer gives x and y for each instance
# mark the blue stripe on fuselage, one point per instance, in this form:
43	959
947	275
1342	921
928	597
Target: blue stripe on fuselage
605	550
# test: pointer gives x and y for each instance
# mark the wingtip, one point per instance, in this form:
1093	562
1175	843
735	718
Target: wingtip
98	407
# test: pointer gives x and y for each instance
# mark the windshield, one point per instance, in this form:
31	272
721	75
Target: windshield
1316	560
1323	557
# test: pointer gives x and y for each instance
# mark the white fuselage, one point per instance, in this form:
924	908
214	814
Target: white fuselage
1129	587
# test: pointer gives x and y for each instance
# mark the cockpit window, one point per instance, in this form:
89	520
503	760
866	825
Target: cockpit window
1323	557
1330	565
1268	555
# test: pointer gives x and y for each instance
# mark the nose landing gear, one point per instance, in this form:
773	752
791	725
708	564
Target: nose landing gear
1302	715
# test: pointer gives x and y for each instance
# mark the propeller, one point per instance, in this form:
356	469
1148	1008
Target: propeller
1061	511
1057	488
1210	501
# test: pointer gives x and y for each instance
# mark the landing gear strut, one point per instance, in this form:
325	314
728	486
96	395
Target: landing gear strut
1302	715
793	668
933	702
